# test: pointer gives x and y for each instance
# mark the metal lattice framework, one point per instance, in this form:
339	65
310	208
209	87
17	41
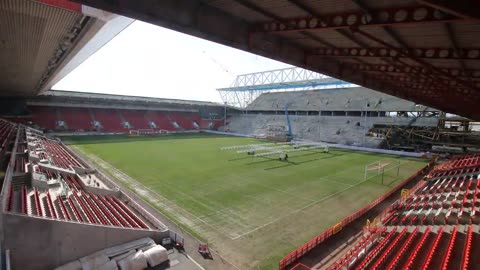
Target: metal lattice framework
247	87
425	51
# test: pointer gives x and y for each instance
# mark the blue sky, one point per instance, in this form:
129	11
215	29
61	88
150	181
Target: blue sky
147	60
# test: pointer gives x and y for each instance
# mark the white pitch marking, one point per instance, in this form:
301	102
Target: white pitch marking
298	210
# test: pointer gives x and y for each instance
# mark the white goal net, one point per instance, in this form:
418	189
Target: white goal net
382	169
137	132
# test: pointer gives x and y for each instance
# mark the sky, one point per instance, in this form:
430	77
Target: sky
147	60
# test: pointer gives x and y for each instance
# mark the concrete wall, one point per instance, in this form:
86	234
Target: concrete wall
348	130
100	191
333	129
38	244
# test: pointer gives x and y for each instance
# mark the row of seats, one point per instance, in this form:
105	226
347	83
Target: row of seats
454	172
108	119
432	247
447	202
6	131
76	118
160	119
20	164
182	120
460	162
64	196
365	242
436	226
44	116
136	119
80	206
59	156
114	120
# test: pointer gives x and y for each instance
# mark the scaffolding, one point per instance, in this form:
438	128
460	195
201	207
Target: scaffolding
247	87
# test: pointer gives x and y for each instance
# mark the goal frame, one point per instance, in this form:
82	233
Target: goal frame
381	166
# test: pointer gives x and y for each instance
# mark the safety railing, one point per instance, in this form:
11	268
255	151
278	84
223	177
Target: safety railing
295	255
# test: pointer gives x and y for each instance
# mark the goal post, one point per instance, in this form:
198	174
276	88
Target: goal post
138	132
382	169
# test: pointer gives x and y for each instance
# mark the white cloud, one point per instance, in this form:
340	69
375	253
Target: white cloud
147	60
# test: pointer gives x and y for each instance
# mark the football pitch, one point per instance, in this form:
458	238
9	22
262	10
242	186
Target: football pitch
252	210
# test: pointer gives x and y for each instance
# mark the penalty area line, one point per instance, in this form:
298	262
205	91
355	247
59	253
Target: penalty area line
298	210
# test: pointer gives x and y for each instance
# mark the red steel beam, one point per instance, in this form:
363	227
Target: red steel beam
418	60
415	88
422	91
428	80
475	73
469	9
376	17
428	53
208	22
368	12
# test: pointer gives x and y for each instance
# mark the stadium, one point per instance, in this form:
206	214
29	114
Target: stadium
364	155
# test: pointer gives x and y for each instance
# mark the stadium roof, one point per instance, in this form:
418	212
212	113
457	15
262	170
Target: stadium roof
247	87
426	51
41	41
116	98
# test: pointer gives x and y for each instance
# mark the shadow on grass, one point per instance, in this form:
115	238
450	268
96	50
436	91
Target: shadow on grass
241	158
291	162
307	153
121	138
380	155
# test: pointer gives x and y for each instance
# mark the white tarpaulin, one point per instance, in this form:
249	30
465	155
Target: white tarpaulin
135	261
156	255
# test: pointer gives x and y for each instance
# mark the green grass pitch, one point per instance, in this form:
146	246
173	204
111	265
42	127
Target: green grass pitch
253	211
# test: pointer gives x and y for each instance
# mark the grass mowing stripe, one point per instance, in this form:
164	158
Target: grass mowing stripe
268	206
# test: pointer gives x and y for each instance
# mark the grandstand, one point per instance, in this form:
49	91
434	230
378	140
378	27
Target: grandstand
62	111
434	225
339	115
105	182
50	183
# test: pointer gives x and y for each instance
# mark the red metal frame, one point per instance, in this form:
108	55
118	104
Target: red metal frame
428	53
415	15
462	8
473	73
423	63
